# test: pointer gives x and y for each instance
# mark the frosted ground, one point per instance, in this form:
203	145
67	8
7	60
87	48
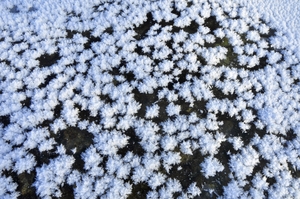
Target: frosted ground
149	99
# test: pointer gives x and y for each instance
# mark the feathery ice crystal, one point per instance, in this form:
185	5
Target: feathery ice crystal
156	99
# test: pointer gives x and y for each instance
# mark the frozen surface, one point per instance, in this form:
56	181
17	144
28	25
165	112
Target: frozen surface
282	14
149	99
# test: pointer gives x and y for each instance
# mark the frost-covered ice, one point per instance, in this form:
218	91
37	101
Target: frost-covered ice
149	99
284	15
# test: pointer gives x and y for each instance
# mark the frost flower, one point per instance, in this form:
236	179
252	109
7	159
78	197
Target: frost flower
211	166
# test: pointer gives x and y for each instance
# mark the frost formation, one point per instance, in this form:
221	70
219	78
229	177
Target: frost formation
156	99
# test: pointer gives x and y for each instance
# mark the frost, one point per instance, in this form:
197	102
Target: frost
151	163
8	188
169	127
233	190
173	109
260	182
46	145
50	177
170	159
156	179
193	190
152	111
271	117
156	84
152	195
25	164
209	144
91	158
253	35
173	185
168	142
236	142
140	174
211	166
274	57
108	143
243	163
185	147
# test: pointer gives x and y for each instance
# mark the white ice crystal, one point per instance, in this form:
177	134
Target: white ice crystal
209	144
26	163
168	142
151	83
233	190
91	158
140	174
272	117
51	176
211	166
151	162
274	57
156	179
243	163
193	190
253	36
236	142
8	188
185	147
152	111
170	159
109	142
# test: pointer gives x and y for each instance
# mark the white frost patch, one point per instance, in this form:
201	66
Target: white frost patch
155	84
152	111
50	177
211	166
243	163
271	117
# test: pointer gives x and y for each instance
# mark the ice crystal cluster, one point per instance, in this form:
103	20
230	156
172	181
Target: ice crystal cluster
146	99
